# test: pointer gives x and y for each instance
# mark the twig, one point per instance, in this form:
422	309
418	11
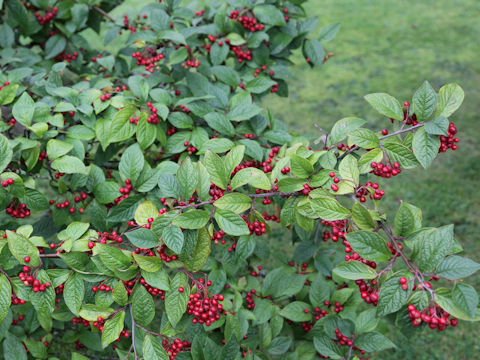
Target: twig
133	333
99	10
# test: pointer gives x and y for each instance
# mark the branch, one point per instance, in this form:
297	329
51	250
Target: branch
102	12
133	333
398	132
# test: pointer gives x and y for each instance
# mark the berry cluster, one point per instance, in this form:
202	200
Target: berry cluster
112	237
370	189
343	340
215	192
29	280
59	175
171	131
105	97
134	120
258	228
17	210
6	83
240	52
102	287
205	310
148	59
125	190
434	316
175	347
153	118
368	291
219	237
385	170
317	314
449	142
249	299
63	56
11	122
192	63
248	22
49	15
343	147
16	300
7	182
164	256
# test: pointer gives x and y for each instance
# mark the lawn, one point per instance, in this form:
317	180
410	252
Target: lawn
393	46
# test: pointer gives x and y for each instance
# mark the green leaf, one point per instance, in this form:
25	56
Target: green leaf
187	179
348	170
21	247
146	210
69	165
369	245
173	238
193	219
438	126
424	102
392	297
364	138
234	158
131	163
269	14
362	217
456	267
148	263
142	238
139	86
432	246
466	298
7	94
313	49
259	84
5	153
401	154
112	329
279	345
172	36
366	321
176	301
76	229
450	98
386	105
125	210
220	123
252	176
5	296
121	129
354	270
217	145
54	46
243	111
23	109
153	348
13	348
282	282
119	294
91	312
295	311
143	307
106	192
319	291
373	341
231	223
236	202
365	161
300	167
216	169
112	257
425	147
57	148
344	127
73	293
329	209
200	253
406	220
146	133
158	279
329	32
325	346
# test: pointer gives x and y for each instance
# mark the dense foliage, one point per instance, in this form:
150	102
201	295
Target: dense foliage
143	186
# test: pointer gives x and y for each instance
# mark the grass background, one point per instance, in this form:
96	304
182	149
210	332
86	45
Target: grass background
393	46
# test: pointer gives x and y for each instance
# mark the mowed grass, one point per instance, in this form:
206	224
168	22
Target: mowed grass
393	46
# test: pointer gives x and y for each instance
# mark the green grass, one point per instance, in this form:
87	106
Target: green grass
393	46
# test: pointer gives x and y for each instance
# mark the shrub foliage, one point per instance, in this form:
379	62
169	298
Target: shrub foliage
146	190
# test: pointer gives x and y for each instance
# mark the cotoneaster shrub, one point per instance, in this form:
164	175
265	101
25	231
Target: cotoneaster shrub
141	179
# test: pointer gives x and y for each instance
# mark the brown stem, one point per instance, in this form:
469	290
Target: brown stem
99	10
